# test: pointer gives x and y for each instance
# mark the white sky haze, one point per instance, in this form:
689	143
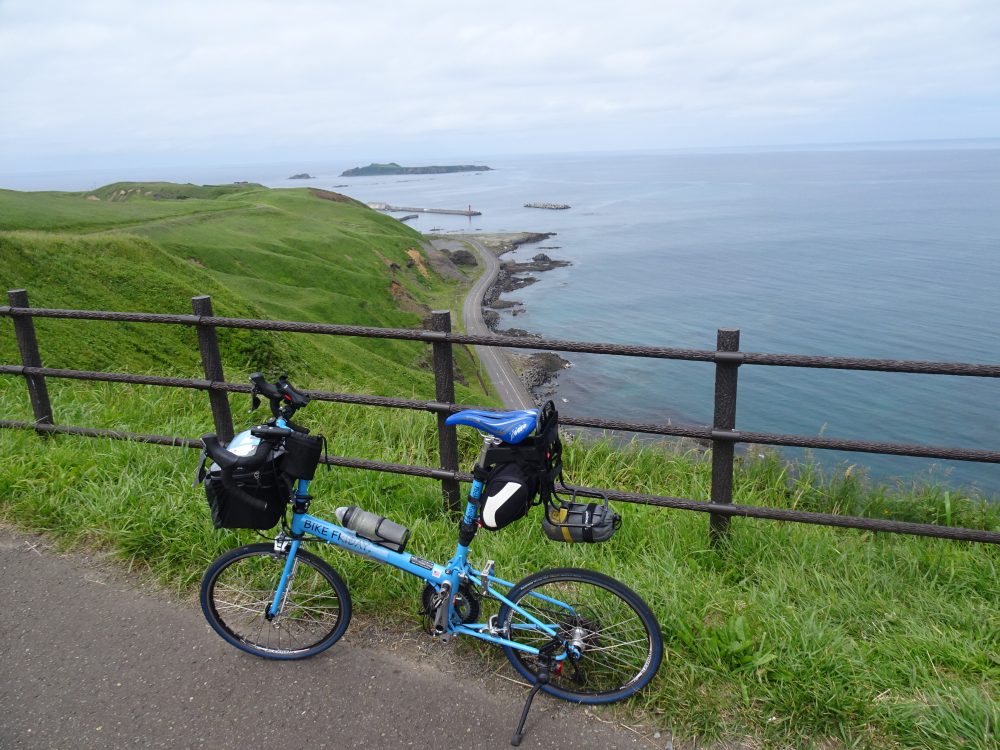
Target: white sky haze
89	83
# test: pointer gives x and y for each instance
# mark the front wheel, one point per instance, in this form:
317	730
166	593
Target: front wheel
239	587
611	638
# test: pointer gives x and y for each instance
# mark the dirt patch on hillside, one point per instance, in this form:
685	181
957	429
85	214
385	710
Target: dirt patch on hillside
329	195
405	301
418	261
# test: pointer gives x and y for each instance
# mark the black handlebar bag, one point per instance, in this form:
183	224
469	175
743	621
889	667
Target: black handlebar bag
269	489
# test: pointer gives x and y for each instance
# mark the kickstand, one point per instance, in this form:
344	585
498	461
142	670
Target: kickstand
542	678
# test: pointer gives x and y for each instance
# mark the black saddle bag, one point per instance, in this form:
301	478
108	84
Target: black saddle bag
507	496
518	475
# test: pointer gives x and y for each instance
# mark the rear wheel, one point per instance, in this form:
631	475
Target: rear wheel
611	636
239	587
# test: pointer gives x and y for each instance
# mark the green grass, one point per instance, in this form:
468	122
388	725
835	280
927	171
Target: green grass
50	211
786	636
790	635
103	273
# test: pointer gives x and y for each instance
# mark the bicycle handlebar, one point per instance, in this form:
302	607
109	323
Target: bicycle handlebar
229	461
281	394
284	400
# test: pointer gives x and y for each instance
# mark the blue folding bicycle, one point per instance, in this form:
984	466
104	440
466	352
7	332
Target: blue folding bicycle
576	634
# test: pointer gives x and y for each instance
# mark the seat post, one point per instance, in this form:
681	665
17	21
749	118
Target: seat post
467	526
488	442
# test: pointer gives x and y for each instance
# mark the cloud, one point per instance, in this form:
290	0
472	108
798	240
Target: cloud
122	76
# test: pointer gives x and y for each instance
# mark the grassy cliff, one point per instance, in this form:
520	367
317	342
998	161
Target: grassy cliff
305	255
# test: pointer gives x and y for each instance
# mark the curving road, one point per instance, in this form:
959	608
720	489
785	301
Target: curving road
505	381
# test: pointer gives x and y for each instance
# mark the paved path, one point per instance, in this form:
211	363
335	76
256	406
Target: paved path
508	385
92	658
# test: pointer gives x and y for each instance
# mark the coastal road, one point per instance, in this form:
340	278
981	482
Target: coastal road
97	658
508	385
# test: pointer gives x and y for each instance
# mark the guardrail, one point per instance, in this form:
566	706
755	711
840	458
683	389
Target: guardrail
722	434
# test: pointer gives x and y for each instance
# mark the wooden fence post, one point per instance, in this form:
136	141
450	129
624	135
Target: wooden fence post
444	392
211	360
727	366
24	331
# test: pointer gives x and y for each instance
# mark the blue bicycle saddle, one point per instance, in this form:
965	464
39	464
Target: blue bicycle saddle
510	426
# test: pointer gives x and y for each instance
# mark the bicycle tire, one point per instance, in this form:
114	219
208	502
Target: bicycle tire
238	587
614	630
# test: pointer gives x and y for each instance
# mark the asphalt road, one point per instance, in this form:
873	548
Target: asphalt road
94	658
508	385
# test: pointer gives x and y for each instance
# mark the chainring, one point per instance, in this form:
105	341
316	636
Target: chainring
466	602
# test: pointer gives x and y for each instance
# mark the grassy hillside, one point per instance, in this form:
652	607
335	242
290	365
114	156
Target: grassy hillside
788	636
121	272
107	207
304	255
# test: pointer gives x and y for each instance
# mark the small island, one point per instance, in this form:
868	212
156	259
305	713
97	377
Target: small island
550	206
303	176
393	168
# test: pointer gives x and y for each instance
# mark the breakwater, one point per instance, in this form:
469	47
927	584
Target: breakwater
451	211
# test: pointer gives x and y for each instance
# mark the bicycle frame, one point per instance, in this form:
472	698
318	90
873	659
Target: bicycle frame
602	618
456	571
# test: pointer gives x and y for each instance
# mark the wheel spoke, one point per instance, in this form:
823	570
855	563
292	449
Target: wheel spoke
241	590
610	643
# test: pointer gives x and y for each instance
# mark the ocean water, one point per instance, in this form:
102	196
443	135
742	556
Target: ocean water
888	253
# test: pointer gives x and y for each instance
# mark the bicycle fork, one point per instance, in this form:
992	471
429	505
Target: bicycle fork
284	588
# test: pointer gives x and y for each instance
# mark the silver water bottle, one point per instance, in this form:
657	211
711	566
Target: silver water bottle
373	527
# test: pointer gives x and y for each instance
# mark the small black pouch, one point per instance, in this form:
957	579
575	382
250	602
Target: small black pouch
302	454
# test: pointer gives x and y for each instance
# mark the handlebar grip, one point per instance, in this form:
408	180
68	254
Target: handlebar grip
266	432
280	394
295	397
268	390
229	461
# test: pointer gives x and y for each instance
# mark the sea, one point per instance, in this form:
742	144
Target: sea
889	251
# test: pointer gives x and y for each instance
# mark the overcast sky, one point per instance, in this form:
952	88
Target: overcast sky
86	83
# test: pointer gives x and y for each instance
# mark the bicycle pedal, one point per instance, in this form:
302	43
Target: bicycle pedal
444	637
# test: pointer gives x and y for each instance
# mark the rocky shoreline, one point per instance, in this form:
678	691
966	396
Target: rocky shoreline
537	371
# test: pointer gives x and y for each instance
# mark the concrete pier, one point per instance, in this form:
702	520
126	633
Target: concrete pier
452	211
